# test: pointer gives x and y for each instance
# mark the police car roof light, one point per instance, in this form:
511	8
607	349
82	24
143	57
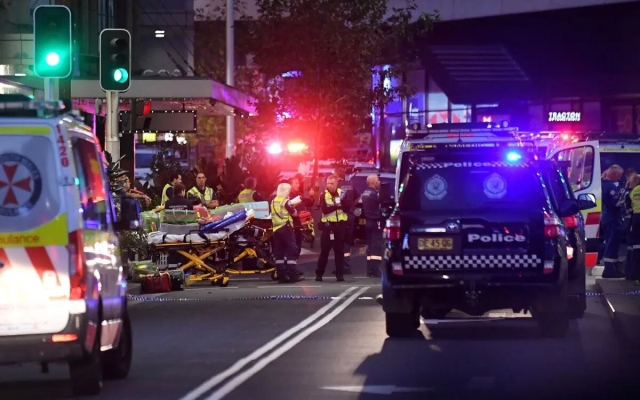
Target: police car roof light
513	156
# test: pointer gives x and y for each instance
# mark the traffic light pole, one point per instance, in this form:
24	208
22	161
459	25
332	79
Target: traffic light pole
50	89
231	139
112	139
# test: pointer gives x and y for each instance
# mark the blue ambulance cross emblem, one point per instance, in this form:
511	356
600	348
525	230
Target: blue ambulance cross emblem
435	188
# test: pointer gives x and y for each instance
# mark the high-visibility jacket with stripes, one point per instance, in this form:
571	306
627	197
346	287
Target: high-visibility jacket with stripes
280	216
334	216
206	198
246	196
165	197
635	200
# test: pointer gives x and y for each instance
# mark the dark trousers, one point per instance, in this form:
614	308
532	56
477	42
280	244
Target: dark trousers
285	251
349	241
633	264
374	247
338	230
298	234
611	249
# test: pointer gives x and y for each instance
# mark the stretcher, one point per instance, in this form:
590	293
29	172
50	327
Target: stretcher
211	252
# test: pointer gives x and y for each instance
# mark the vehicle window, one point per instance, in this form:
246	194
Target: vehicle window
91	184
476	185
578	166
627	160
558	188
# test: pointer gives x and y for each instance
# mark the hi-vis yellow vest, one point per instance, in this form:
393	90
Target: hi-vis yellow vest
279	214
635	200
208	194
334	216
165	198
246	196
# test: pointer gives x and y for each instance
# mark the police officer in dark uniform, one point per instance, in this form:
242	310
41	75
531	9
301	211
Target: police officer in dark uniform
612	220
348	197
371	211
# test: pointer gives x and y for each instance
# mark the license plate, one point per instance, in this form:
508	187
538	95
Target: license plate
435	244
363	222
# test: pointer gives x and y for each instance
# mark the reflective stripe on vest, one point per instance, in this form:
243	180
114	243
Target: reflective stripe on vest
246	196
165	198
635	199
334	216
279	214
208	194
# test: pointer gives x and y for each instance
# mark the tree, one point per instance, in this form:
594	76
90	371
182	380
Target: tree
332	47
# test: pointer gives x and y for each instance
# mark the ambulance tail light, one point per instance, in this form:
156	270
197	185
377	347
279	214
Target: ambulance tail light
571	222
552	226
77	266
392	228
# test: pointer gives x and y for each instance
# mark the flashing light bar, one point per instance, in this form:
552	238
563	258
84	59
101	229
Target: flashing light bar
471	145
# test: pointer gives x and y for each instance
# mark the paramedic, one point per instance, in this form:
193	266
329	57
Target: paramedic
249	194
611	221
307	202
372	213
634	236
178	201
285	251
207	195
348	197
167	191
333	227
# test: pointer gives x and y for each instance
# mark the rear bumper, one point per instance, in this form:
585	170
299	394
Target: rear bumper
42	348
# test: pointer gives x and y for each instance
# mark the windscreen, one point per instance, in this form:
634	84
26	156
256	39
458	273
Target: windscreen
624	159
472	185
360	182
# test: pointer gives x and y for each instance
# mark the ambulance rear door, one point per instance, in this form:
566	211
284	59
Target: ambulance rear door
581	164
34	258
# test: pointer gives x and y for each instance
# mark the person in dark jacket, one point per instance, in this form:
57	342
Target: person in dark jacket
348	196
178	201
371	211
612	221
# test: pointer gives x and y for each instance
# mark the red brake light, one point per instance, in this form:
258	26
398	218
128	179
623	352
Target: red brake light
392	229
571	221
77	268
551	227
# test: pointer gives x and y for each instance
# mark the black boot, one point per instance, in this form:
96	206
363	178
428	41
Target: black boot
319	275
295	276
283	276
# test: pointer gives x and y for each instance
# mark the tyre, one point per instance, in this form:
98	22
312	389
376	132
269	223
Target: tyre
577	306
86	373
116	362
223	282
401	325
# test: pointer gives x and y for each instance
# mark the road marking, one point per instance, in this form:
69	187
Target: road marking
372	389
481	383
275	285
219	378
257	367
132	303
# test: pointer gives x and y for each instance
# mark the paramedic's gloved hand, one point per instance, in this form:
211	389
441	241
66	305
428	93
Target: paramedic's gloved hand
296	200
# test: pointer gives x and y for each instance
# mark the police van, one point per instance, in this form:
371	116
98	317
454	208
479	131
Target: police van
482	222
62	287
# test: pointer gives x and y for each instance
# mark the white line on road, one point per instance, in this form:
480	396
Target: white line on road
275	285
132	303
219	378
243	377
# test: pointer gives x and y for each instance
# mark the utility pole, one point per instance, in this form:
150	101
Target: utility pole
230	81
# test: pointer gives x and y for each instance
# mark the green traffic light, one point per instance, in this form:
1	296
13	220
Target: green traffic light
52	59
120	75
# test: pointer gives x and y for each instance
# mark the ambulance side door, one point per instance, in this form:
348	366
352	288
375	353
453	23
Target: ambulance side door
580	163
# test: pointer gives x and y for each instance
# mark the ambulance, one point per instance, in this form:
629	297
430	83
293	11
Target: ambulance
586	156
62	287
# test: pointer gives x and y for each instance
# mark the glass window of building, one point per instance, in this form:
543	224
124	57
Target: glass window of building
591	116
460	113
622	119
437	104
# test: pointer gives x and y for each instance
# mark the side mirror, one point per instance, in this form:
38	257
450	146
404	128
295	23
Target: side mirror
586	201
569	207
129	215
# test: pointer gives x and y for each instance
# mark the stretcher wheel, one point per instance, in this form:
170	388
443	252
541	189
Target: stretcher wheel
223	283
274	276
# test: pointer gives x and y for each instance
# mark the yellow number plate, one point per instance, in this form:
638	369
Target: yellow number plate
435	244
363	221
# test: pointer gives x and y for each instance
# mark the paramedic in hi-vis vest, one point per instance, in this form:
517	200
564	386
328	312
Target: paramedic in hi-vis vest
201	191
334	226
634	196
283	240
249	194
167	191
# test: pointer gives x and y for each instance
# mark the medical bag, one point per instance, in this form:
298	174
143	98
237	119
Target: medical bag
156	283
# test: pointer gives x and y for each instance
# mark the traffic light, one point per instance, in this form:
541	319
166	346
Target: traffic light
52	41
115	60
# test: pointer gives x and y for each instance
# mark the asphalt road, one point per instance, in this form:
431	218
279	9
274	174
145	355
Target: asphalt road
260	340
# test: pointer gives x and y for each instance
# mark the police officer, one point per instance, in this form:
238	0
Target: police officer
611	221
348	197
371	210
167	191
634	236
283	241
249	194
201	191
333	225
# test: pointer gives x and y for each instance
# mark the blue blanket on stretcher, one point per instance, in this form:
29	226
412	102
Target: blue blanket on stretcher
216	226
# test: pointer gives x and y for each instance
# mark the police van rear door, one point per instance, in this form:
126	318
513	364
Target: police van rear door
34	260
582	166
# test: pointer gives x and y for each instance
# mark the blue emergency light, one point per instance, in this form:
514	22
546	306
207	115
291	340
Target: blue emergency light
512	156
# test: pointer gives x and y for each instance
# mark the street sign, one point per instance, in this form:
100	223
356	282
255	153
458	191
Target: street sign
52	41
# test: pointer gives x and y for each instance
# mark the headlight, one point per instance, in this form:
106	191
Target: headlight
357	212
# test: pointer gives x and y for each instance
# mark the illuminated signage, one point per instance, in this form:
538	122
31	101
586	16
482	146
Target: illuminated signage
572	116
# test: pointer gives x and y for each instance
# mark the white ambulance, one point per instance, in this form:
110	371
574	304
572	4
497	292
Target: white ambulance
62	288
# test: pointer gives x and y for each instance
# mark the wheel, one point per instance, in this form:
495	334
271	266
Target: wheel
116	362
401	325
86	373
223	282
435	312
577	306
274	276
